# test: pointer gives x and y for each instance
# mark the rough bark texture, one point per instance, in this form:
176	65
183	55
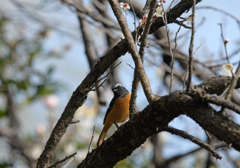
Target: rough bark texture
154	118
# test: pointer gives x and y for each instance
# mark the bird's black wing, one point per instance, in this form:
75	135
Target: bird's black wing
109	108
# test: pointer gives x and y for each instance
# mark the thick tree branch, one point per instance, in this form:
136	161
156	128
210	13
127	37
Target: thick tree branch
216	85
201	94
80	94
154	118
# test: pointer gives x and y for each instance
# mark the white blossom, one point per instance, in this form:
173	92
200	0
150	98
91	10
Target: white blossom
228	66
159	12
189	20
124	6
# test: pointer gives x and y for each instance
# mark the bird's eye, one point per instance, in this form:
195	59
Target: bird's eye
115	90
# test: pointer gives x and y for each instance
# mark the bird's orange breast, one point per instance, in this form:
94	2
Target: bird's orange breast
120	110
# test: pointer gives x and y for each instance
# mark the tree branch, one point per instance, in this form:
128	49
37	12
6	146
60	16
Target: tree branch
133	49
90	50
63	160
195	140
191	48
153	119
141	53
80	94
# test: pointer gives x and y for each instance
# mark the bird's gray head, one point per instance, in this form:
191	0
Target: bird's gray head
119	90
116	86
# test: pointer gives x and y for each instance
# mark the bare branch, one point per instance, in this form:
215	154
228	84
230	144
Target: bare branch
200	93
191	48
169	46
109	72
182	24
143	45
133	49
132	107
90	49
222	145
95	16
224	43
101	84
177	157
63	160
185	135
74	122
91	139
135	25
147	28
222	11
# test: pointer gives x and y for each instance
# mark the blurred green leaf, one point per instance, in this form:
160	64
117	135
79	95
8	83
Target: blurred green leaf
22	85
5	164
2	113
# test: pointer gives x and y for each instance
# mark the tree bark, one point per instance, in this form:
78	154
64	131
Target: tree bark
155	117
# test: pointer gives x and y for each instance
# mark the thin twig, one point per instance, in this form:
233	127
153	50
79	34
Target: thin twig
197	49
180	23
218	65
101	84
132	106
130	66
74	122
222	11
186	33
169	5
143	45
94	15
177	157
109	72
173	59
215	100
191	48
91	140
208	135
60	161
134	22
222	145
146	29
224	43
133	49
68	162
169	46
185	135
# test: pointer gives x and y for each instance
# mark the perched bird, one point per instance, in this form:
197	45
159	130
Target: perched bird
118	110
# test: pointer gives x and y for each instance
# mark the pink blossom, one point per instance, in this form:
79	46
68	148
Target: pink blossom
51	101
41	129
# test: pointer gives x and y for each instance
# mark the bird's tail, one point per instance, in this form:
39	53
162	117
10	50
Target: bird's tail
103	133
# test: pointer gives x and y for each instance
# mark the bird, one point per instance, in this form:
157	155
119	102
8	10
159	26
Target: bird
118	110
